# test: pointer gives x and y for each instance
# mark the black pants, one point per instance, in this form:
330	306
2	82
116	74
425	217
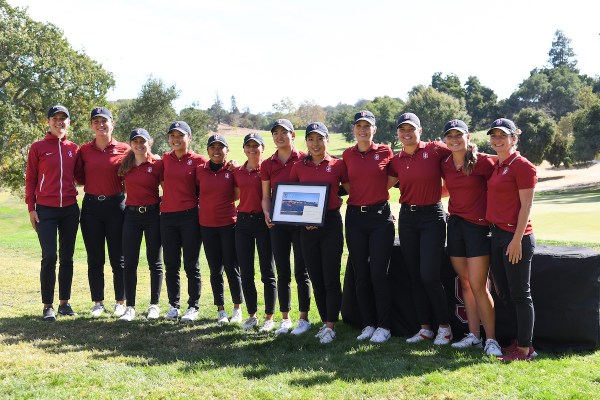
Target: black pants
219	249
422	235
251	229
282	238
103	221
370	240
134	226
180	230
322	249
511	281
65	220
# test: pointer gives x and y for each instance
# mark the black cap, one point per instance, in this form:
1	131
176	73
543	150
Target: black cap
254	136
180	126
101	112
56	109
456	124
283	122
505	125
139	132
318	127
218	139
409	118
364	115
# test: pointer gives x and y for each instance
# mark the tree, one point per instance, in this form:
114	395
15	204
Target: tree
481	103
201	124
450	85
340	119
586	130
386	110
234	108
216	111
559	151
538	131
39	68
308	112
561	53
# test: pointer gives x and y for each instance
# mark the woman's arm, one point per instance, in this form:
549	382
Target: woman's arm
514	250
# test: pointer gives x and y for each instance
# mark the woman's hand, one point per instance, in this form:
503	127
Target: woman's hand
34	219
514	251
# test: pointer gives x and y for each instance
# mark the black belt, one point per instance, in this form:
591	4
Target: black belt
414	207
102	197
366	209
245	215
142	209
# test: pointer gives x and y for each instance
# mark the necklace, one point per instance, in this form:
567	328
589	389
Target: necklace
407	160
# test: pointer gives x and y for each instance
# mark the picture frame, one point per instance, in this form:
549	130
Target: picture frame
296	203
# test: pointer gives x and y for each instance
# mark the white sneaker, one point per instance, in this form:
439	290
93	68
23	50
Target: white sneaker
284	326
153	312
97	310
119	310
423	334
320	332
128	315
381	335
303	326
173	313
267	326
222	317
444	336
190	315
492	348
251	322
327	336
469	340
236	316
367	332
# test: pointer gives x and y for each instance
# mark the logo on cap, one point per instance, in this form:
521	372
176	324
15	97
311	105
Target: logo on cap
454	122
498	122
251	135
217	137
138	131
364	113
315	126
177	124
280	121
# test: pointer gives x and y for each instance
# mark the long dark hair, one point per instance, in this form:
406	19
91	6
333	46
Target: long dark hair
470	159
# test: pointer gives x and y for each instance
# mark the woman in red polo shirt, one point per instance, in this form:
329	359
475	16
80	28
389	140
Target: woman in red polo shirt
322	246
466	172
277	169
370	227
51	200
179	229
217	224
251	230
422	225
141	172
102	208
510	196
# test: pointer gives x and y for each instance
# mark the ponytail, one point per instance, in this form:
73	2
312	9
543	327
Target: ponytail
470	159
126	164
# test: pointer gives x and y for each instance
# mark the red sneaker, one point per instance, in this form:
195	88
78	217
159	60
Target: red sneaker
516	355
513	345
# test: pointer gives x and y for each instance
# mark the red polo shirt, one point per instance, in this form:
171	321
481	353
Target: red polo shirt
503	203
420	174
50	174
142	182
367	174
101	166
330	170
272	169
250	186
468	193
179	181
216	199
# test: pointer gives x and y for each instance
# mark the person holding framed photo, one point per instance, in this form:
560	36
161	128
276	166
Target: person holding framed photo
322	246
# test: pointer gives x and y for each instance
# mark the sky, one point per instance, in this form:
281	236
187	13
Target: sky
326	51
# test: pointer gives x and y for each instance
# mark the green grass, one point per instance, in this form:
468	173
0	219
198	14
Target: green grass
104	358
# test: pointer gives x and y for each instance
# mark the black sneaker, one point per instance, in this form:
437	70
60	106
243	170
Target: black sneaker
48	314
65	309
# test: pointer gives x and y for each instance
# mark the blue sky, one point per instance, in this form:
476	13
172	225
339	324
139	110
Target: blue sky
324	51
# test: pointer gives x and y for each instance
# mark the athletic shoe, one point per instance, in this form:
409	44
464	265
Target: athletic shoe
492	348
423	334
381	335
284	326
516	355
444	336
97	310
320	331
236	316
119	310
153	312
66	310
267	326
129	314
513	345
327	335
303	326
367	332
469	340
251	322
173	313
222	317
48	314
190	315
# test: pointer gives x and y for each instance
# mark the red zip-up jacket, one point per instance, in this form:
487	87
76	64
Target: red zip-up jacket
50	175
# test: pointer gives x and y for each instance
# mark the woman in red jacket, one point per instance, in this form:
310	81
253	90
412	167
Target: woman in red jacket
51	200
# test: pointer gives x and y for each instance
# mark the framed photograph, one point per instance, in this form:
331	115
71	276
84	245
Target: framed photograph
300	203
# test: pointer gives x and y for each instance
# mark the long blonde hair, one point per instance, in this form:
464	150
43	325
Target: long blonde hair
128	162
